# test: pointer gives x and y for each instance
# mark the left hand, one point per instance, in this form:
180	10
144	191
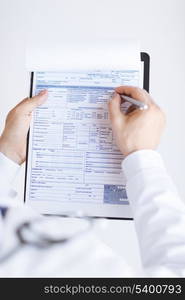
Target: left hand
14	137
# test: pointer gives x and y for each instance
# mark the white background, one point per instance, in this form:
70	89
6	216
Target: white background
160	27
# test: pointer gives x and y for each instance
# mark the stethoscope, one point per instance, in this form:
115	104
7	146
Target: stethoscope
27	234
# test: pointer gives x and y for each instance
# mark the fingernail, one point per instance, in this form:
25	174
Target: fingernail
114	94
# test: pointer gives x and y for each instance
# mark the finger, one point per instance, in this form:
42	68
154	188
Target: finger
39	99
29	104
134	92
115	106
131	109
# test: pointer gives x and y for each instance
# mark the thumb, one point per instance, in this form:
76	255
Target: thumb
115	107
39	99
29	104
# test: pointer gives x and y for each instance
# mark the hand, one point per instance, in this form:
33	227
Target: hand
135	130
14	137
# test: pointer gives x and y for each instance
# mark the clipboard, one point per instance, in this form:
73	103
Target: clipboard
145	58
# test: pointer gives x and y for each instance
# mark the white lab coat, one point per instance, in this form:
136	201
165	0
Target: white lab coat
159	216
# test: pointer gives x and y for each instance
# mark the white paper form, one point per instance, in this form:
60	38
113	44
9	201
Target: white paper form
73	153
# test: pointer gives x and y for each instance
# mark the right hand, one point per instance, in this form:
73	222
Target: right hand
138	129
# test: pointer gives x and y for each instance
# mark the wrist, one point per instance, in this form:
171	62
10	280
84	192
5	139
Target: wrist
127	149
10	153
133	150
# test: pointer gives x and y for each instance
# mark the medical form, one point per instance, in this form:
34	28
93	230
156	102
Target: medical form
73	162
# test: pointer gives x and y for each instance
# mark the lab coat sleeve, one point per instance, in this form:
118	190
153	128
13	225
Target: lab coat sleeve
159	214
8	172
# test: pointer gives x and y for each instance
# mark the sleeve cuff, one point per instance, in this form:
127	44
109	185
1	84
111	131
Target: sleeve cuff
8	169
141	160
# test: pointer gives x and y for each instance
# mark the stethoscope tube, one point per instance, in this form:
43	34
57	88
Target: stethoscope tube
40	241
